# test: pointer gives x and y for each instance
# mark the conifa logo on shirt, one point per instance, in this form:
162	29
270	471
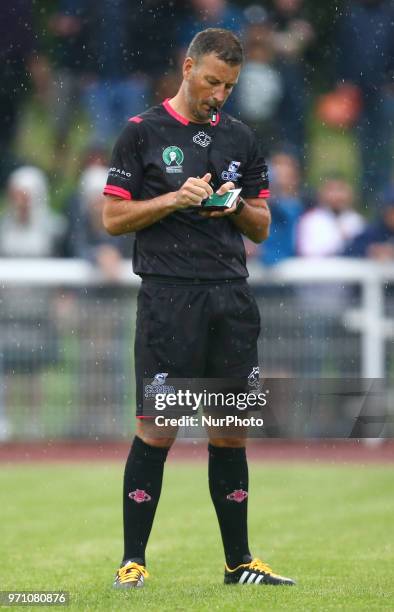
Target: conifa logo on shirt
173	158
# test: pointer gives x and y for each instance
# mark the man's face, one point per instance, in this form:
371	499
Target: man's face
208	83
286	173
21	203
388	216
288	6
337	195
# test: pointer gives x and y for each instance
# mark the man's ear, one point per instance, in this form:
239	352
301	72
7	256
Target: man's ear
188	66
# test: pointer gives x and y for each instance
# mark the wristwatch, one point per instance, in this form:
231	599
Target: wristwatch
239	206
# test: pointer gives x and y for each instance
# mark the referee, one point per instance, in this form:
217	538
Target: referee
196	315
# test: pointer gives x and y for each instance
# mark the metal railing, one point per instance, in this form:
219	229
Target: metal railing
66	337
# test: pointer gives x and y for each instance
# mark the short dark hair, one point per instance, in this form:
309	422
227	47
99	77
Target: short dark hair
224	43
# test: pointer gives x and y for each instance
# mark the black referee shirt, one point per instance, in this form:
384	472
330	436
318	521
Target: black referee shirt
155	154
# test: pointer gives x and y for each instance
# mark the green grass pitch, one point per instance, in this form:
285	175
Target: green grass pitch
330	527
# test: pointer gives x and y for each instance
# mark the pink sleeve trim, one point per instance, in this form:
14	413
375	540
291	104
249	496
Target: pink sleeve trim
264	193
136	119
117	191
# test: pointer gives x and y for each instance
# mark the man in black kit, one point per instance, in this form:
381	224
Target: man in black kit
196	315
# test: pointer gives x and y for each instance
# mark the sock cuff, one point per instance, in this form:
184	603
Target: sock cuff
139	448
227	453
139	560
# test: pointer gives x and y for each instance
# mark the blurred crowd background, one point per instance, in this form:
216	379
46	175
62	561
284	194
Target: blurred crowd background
317	86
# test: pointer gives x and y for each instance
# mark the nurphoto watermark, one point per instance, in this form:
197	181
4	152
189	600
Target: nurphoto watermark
295	408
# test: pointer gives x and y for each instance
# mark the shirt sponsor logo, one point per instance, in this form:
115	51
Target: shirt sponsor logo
202	139
173	158
119	173
232	174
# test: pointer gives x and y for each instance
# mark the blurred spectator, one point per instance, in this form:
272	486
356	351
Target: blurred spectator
102	347
259	89
365	59
28	335
88	238
201	14
116	87
322	232
286	206
326	228
95	154
28	227
377	239
67	54
17	40
293	35
128	47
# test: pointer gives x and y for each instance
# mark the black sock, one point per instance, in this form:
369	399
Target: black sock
143	478
228	484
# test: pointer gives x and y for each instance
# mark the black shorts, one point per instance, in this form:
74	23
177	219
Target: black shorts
188	330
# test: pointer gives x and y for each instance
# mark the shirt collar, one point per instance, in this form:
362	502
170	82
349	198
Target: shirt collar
182	119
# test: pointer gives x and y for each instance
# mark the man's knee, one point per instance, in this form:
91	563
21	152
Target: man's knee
231	442
227	437
159	437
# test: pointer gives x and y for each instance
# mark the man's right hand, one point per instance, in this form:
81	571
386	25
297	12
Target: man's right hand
193	192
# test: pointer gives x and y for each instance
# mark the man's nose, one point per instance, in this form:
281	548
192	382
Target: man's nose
219	94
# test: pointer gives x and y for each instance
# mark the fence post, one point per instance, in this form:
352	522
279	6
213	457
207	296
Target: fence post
373	337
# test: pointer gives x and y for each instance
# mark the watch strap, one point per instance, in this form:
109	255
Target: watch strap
240	206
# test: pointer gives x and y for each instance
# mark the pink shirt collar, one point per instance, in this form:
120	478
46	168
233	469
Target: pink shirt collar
179	117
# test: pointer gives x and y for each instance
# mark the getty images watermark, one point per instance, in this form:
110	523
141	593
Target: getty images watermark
178	401
296	408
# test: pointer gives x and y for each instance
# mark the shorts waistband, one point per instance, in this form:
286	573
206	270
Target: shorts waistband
152	279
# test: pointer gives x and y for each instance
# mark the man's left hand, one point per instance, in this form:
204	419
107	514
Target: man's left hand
227	211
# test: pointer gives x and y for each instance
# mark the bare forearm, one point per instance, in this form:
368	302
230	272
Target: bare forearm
124	216
254	221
